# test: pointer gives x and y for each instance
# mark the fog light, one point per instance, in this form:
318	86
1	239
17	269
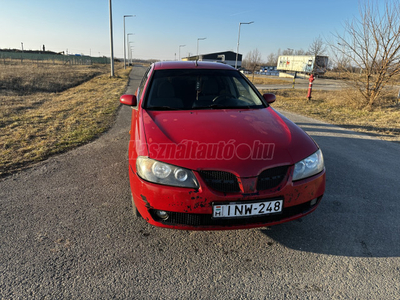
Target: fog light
313	202
162	214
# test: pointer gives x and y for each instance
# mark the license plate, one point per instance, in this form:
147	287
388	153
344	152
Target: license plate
238	210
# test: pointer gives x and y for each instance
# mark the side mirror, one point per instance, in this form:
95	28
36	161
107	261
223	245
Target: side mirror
270	98
129	100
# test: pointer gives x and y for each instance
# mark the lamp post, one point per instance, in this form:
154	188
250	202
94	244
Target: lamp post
180	46
237	50
199	39
130	51
128	36
125	16
128	42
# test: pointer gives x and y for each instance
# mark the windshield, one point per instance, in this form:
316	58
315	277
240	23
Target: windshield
200	89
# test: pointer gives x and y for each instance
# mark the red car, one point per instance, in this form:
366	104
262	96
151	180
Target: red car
208	152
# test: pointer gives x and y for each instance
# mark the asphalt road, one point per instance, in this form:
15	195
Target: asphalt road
67	232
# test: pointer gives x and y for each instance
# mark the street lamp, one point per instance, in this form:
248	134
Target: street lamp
237	51
199	39
128	39
130	51
126	16
180	46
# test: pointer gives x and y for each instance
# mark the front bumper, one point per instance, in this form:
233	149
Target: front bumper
191	209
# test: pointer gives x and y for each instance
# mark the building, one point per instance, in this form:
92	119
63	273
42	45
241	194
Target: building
227	57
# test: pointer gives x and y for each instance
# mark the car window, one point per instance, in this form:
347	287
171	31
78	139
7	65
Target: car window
244	89
200	89
142	83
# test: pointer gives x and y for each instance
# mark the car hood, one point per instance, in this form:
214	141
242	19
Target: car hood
243	142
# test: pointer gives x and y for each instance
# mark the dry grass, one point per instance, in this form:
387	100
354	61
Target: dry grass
28	78
341	108
266	80
37	120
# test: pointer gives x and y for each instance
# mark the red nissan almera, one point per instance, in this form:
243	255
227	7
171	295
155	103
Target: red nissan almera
208	152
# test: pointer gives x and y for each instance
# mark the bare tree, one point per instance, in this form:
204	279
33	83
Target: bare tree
253	61
317	47
290	51
272	59
343	65
371	45
299	52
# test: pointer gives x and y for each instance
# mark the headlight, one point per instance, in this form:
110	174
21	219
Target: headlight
309	166
162	173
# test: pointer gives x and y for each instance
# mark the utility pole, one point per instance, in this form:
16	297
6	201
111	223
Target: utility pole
125	16
237	50
199	39
180	46
111	41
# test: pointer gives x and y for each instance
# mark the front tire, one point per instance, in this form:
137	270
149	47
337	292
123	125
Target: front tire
136	213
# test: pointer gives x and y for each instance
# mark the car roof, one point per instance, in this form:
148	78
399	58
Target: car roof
167	65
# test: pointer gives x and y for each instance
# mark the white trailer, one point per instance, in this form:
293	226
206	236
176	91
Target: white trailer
308	64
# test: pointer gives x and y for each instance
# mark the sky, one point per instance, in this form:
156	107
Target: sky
160	28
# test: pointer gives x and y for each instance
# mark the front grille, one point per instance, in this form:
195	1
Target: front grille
197	220
221	181
271	178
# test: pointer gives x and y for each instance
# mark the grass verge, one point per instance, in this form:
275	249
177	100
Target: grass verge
38	124
267	80
339	108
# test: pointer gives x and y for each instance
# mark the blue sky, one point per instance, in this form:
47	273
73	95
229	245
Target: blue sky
160	26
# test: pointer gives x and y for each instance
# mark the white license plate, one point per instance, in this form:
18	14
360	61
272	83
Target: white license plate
237	210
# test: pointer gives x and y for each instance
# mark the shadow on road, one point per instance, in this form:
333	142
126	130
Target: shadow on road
358	215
